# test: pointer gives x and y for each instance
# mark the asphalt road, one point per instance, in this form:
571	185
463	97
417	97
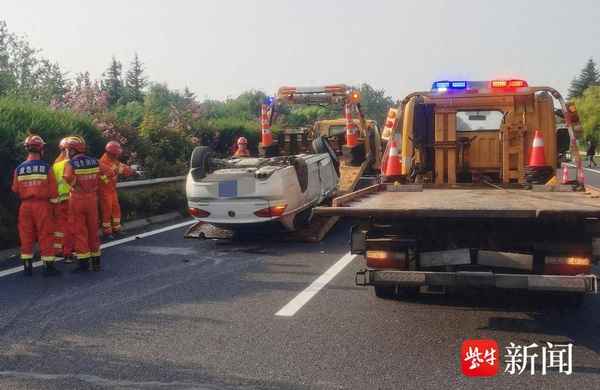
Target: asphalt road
171	313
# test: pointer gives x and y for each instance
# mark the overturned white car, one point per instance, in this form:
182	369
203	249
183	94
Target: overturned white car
238	193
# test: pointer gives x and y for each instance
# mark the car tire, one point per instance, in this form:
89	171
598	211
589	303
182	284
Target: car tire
322	145
200	162
385	292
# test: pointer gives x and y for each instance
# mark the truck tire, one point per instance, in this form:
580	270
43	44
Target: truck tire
385	292
322	145
200	162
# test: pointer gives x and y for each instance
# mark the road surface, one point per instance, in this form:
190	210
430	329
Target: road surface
171	313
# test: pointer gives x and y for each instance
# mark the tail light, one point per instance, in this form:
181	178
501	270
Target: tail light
270	212
567	265
198	213
386	259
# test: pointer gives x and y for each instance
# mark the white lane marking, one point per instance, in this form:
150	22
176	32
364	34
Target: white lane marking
587	169
302	299
110	244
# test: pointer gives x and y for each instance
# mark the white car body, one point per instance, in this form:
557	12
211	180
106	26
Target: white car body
233	195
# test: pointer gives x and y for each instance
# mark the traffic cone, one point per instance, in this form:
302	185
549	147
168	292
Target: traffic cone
351	130
537	158
565	174
393	167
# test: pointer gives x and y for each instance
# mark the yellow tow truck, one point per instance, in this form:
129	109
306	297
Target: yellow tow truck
469	210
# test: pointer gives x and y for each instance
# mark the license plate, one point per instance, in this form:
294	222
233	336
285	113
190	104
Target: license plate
228	189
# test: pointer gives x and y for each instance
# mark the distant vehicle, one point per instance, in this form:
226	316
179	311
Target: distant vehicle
238	193
469	210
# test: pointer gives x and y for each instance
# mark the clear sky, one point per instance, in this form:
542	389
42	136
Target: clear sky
220	48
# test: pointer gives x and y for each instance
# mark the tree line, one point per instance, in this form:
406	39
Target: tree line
585	92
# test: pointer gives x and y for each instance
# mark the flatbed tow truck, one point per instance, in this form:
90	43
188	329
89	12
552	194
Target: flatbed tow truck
363	156
468	211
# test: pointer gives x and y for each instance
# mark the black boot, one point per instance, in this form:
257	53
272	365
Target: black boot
84	266
50	269
96	264
28	267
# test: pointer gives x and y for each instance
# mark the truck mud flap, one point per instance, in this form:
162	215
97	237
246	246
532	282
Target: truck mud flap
465	279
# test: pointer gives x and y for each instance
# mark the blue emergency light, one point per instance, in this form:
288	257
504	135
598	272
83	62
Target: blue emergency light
446	85
269	100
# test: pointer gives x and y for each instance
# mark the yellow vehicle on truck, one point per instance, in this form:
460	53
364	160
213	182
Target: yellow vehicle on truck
478	203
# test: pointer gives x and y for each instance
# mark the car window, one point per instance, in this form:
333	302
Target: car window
479	120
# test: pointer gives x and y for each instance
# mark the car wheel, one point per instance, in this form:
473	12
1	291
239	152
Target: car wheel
322	145
200	162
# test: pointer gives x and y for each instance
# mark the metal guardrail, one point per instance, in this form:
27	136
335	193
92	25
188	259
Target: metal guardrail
141	183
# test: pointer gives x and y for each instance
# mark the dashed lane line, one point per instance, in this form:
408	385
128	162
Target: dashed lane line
308	293
111	244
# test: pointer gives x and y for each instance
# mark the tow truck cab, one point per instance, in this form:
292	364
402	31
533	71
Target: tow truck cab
468	210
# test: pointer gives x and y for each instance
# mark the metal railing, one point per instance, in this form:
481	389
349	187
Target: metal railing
146	182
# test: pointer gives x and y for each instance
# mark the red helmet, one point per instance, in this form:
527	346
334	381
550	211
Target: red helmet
76	143
114	148
242	141
34	143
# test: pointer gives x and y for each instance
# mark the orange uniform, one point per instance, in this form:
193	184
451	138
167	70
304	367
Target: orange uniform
35	185
63	238
109	199
84	175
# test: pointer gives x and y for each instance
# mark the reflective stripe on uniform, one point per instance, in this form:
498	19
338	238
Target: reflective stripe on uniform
86	171
106	224
82	256
95	254
116	220
26	256
59	234
47	258
57	245
32	177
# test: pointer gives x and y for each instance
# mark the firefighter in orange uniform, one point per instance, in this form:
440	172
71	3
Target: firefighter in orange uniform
63	239
109	199
83	174
35	184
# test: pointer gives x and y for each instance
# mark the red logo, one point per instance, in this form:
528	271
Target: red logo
479	357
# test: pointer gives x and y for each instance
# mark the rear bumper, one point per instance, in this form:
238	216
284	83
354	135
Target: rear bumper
574	284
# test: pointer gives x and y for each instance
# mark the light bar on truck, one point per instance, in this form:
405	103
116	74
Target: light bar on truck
445	85
508	84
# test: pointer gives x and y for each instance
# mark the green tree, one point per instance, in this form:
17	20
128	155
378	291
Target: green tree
135	81
589	76
375	103
588	107
113	82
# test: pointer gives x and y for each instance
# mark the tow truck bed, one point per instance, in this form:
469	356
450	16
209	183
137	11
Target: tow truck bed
414	201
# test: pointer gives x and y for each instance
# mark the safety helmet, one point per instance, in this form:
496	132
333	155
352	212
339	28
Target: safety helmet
242	141
76	143
114	148
34	143
62	145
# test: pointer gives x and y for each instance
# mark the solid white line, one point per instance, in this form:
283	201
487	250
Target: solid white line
110	244
302	299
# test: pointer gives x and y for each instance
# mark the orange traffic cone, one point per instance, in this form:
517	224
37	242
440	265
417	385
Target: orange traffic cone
393	167
351	130
266	135
537	158
565	174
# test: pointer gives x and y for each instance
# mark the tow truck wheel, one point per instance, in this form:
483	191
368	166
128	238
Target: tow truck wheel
385	292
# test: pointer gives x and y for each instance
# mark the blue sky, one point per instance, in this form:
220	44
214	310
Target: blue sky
221	48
